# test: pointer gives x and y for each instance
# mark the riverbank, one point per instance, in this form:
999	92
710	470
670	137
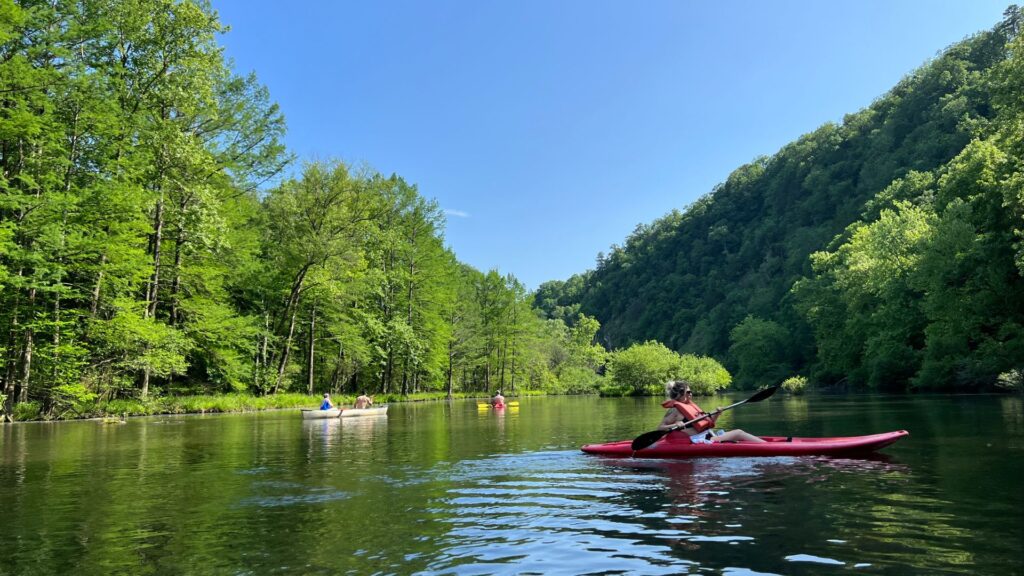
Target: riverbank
209	403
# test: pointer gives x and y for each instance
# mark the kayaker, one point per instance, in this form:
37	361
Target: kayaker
327	404
683	409
363	401
498	401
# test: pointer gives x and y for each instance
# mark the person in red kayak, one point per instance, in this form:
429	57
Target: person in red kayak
681	408
498	401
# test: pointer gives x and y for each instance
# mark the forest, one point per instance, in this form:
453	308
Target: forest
154	241
880	253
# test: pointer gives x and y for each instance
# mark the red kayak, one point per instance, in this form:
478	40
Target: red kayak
678	445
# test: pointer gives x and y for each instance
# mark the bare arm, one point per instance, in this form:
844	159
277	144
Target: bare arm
671	420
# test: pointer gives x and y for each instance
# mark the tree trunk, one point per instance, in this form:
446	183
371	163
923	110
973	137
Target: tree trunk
389	370
284	353
261	355
94	304
312	341
338	374
408	357
504	356
290	310
154	287
56	332
512	372
11	349
145	384
451	366
26	373
515	330
266	342
176	284
68	175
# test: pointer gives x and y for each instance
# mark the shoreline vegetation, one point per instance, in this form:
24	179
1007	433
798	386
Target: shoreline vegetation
238	403
220	404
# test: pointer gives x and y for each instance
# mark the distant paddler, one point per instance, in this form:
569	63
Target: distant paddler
327	404
363	401
498	401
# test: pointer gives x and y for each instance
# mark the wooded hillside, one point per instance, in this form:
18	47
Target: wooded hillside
881	251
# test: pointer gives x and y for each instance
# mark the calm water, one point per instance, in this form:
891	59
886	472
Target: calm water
440	488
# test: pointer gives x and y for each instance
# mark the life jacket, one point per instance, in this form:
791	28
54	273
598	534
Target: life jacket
326	405
689	412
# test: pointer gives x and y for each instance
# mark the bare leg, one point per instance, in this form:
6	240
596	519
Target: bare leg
736	436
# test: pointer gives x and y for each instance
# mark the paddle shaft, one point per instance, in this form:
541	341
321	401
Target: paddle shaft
689	423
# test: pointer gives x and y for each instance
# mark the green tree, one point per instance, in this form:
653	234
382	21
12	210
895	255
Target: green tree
644	368
762	352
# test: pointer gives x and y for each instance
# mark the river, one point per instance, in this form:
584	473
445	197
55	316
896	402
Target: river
446	488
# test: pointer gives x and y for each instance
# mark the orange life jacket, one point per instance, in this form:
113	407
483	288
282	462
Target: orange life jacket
689	412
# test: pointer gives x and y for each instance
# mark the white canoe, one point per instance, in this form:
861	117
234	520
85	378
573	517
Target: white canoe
316	414
343	412
354	412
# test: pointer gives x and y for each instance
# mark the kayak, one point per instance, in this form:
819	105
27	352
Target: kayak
512	404
678	445
343	413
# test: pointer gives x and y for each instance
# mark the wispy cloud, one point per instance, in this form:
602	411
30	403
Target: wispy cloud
456	213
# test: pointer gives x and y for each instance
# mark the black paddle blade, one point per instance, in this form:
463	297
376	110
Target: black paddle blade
764	394
647	438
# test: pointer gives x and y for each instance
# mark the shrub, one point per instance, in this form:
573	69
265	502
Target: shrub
27	411
577	380
614	391
1011	380
643	368
795	384
705	375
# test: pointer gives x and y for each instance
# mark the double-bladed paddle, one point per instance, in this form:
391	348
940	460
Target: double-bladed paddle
647	438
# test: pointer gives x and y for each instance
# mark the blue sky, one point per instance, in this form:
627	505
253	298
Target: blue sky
549	130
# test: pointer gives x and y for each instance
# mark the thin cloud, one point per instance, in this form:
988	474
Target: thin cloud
456	213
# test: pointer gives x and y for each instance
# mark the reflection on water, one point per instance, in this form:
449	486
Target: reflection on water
544	512
449	489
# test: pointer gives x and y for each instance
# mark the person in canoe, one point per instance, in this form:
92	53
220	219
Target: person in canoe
681	408
363	401
327	404
498	401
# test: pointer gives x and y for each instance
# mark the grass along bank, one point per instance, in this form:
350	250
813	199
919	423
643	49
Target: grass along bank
205	403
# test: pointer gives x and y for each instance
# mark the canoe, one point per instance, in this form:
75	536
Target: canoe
356	412
344	413
678	445
317	414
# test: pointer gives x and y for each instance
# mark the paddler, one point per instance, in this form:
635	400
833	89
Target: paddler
363	401
327	404
681	408
498	401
